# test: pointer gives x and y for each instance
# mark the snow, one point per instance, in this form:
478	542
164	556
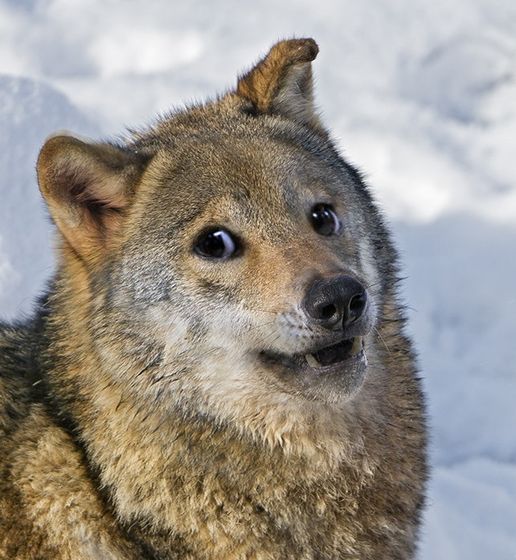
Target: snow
419	95
460	286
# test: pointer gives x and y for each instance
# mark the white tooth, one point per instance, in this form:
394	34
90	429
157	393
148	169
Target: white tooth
357	345
311	361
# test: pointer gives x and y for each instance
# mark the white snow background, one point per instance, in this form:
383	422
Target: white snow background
420	95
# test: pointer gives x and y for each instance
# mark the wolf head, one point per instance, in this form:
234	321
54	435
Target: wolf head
226	263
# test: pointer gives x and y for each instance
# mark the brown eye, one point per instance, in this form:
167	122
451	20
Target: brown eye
216	244
324	219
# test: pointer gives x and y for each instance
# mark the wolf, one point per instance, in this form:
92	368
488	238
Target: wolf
219	368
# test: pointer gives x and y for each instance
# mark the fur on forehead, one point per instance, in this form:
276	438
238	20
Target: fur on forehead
224	117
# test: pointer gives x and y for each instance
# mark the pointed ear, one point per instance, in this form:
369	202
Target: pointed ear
281	83
88	188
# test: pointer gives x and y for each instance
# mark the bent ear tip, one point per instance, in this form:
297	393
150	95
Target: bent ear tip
64	137
59	139
55	145
281	83
51	151
296	50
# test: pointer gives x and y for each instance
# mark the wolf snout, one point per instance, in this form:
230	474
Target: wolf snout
336	303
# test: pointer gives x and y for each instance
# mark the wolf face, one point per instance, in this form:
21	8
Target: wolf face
226	255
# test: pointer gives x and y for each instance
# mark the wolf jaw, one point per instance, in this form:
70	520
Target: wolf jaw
323	359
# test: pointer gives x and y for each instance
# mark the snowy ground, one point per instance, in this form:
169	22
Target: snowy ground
420	95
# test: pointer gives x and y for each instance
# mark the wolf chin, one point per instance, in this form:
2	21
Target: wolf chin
218	369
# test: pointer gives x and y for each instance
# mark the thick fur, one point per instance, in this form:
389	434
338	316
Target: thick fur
137	420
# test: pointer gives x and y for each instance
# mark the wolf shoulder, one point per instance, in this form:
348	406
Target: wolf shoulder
16	374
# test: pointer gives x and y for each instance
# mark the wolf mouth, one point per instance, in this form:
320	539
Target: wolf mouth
326	359
336	353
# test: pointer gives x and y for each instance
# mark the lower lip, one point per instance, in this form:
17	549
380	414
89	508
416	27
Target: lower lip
342	379
299	364
356	349
337	367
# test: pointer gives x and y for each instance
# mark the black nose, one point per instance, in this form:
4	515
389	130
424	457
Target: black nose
340	300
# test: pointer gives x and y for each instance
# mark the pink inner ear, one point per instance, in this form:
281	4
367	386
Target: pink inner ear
84	187
87	188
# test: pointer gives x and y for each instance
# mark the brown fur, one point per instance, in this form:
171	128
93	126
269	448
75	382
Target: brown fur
136	418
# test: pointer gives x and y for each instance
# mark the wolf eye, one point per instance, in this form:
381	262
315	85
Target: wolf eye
324	219
216	244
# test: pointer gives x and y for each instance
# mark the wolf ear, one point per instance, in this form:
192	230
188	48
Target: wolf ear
281	83
88	188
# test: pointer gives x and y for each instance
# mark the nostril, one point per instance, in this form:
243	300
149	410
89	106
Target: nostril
328	311
356	305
